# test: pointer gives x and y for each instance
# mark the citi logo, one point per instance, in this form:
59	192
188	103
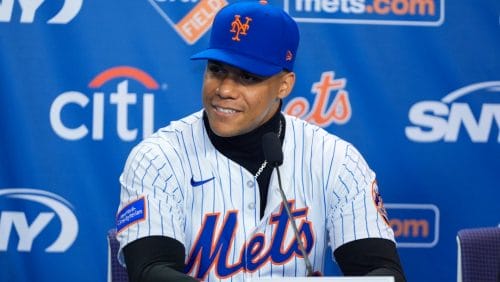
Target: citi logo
321	113
29	8
190	19
377	12
16	221
448	119
64	124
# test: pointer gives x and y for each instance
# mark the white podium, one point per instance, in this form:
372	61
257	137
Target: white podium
325	279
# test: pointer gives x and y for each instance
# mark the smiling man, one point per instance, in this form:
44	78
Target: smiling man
199	200
237	102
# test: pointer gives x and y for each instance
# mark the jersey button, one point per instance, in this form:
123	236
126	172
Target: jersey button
250	184
251	206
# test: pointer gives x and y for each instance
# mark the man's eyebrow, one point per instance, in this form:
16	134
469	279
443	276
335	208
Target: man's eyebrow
254	75
214	62
237	70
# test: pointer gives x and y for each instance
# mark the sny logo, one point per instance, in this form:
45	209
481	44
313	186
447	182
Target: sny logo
238	27
29	7
434	121
212	251
27	233
121	98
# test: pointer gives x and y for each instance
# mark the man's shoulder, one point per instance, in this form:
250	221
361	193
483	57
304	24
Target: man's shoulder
173	134
309	129
180	126
313	135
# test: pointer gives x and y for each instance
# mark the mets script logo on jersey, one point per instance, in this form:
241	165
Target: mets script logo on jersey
120	96
380	12
239	28
190	19
446	120
213	245
322	114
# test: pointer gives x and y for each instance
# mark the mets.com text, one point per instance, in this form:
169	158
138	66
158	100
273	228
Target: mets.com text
378	7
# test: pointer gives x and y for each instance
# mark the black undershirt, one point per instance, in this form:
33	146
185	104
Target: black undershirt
246	150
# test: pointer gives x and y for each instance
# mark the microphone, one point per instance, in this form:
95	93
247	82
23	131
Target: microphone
274	156
272	149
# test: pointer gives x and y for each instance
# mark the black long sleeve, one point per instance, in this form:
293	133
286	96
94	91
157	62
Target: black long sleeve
370	257
155	259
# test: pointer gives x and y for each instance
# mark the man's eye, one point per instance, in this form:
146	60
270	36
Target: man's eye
250	78
215	69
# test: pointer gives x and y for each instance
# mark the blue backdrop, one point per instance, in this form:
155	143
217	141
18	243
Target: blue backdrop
415	85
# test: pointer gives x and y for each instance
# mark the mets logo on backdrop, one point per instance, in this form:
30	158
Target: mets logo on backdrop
378	12
190	19
331	104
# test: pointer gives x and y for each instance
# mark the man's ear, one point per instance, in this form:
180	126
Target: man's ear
286	84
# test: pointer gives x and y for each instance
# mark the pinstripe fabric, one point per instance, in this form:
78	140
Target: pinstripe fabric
321	172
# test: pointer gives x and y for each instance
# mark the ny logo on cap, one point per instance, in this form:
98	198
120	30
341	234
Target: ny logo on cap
238	27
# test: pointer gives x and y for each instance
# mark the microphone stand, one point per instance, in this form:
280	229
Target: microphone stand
274	155
294	227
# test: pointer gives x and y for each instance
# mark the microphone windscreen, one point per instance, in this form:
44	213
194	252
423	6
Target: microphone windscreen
272	149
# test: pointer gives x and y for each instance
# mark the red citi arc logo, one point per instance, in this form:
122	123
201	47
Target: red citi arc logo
124	72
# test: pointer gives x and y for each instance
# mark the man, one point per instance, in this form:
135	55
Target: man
199	199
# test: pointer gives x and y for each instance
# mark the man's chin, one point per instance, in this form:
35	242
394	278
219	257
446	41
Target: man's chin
225	133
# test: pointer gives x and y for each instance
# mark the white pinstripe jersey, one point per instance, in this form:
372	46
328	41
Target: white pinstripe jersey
176	184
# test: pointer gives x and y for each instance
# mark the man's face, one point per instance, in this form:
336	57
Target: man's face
237	102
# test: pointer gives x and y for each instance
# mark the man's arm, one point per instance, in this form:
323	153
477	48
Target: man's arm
370	257
155	258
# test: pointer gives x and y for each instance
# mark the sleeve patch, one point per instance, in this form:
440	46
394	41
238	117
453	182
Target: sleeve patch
379	203
132	213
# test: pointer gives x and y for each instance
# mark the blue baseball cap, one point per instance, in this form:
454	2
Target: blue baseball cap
253	36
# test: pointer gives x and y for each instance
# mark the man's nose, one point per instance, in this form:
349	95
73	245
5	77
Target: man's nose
228	87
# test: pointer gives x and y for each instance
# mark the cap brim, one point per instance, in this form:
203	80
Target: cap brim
245	63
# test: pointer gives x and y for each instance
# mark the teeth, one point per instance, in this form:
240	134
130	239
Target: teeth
226	111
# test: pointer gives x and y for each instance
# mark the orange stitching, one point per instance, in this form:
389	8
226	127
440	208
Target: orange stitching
238	27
